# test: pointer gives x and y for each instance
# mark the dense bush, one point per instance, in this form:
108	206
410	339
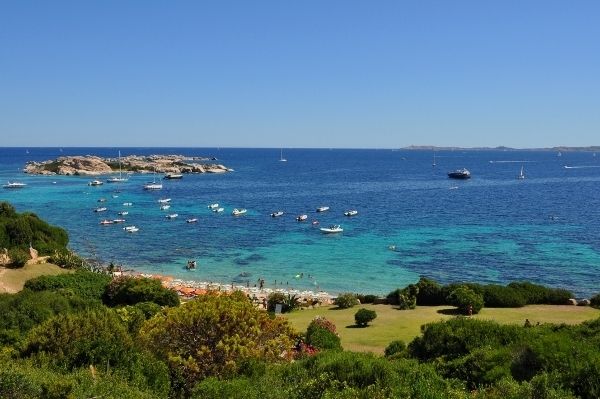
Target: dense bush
84	284
395	349
405	298
128	290
68	260
23	311
288	302
214	336
21	230
595	301
499	296
346	300
363	316
18	257
430	293
538	294
368	298
321	333
466	300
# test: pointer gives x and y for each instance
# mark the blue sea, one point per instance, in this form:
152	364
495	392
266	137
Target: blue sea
492	228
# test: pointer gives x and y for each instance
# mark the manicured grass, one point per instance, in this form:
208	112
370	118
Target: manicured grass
12	280
392	324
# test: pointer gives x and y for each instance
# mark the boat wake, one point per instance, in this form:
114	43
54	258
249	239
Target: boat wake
582	167
511	161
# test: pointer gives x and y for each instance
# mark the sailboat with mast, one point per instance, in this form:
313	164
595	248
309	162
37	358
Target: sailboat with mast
281	158
433	164
521	175
153	185
119	179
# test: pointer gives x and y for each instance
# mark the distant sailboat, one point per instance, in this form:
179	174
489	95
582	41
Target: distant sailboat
119	179
281	158
433	164
521	175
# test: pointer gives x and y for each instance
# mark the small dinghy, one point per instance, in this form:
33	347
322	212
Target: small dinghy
239	212
171	216
277	214
301	218
102	209
322	209
334	228
192	220
351	213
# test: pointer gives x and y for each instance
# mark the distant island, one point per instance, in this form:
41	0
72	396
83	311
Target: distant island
593	148
90	165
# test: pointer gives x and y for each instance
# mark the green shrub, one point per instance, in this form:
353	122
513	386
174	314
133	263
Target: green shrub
498	296
18	257
128	290
368	298
84	284
288	302
595	301
395	348
346	300
405	298
430	293
68	260
363	316
466	300
538	294
321	333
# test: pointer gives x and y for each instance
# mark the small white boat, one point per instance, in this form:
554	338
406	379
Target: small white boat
281	158
218	210
322	209
301	218
14	185
101	209
171	176
213	206
171	216
123	213
131	229
239	212
164	200
95	183
192	220
334	228
119	220
102	200
115	196
127	204
106	221
351	213
153	186
277	214
164	207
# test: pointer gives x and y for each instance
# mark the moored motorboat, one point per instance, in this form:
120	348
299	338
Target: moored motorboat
218	210
213	206
460	174
352	212
171	216
192	220
322	209
123	213
14	184
334	228
301	218
95	183
119	220
164	207
277	214
101	209
131	229
127	204
106	221
239	212
164	200
171	176
153	186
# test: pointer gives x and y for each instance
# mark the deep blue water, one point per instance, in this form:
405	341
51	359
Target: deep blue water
492	228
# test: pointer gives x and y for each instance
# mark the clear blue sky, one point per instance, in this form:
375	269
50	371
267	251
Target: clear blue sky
299	74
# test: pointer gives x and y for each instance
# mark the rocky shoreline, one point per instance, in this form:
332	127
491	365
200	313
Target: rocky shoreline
90	165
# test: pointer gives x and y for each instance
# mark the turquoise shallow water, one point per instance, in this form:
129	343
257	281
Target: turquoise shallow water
493	228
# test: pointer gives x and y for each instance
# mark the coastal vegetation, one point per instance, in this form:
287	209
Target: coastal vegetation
87	334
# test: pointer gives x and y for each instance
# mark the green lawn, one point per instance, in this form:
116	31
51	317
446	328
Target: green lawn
12	280
392	324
